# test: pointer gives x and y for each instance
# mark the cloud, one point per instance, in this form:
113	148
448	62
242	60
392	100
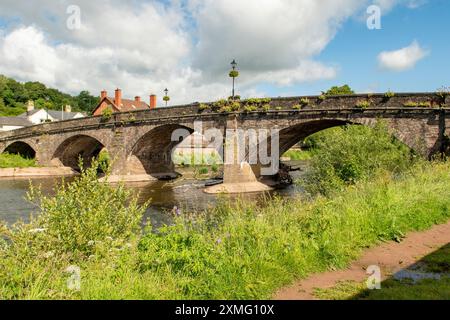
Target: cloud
402	59
185	45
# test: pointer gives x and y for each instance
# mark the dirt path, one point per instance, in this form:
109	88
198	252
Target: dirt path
390	257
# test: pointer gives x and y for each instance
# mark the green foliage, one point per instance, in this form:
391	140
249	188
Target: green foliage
389	94
203	107
266	107
413	104
166	98
297	154
107	114
363	104
16	161
234	74
345	155
322	97
229	252
342	90
304	101
296	107
104	160
14	96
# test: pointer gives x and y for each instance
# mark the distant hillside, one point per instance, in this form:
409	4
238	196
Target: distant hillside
14	96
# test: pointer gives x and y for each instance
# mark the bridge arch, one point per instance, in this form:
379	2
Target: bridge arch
21	148
79	146
152	152
296	132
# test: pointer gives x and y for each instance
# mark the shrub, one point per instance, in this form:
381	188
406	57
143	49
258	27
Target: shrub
107	114
345	155
363	104
8	160
266	107
235	106
304	101
342	90
389	94
81	215
296	107
203	107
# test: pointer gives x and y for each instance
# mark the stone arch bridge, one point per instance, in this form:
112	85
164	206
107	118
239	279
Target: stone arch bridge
141	143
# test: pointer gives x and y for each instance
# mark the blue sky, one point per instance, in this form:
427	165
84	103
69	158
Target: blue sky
283	47
355	50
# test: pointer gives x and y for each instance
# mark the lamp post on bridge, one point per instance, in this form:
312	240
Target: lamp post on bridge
166	98
233	74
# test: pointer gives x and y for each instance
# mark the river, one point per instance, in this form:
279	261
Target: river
186	194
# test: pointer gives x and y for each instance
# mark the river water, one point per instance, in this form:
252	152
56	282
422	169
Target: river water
185	194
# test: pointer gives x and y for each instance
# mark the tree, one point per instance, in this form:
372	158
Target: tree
337	91
86	102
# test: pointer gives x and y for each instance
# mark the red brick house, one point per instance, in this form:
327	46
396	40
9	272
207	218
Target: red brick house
118	104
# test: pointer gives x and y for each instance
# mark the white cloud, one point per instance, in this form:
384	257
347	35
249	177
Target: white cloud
185	45
402	59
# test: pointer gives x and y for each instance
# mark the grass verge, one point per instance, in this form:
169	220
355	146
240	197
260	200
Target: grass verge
234	251
15	161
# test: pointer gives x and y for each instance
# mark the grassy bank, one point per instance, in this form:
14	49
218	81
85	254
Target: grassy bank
434	264
297	154
15	161
235	251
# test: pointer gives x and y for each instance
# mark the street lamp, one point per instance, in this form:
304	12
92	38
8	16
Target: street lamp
233	74
47	98
166	97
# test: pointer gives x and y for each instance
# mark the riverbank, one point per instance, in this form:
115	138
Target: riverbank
393	259
236	250
12	173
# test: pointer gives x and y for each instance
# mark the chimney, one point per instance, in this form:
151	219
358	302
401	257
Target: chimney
30	106
118	98
68	108
152	101
103	94
137	99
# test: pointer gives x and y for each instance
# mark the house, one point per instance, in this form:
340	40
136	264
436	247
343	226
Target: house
36	116
118	104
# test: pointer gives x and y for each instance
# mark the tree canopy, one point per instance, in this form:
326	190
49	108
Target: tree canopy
14	95
342	90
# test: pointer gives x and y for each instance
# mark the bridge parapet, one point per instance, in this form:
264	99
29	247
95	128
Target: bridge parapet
358	102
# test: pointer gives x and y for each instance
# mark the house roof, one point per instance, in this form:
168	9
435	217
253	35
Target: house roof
62	115
55	114
15	121
127	104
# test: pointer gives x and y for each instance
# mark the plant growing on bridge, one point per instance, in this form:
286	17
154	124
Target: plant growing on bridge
413	104
297	107
388	95
304	101
203	107
107	114
363	104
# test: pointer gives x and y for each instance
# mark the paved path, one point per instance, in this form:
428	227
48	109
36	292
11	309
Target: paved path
390	256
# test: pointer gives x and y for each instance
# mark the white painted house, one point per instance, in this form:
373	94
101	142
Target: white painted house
36	116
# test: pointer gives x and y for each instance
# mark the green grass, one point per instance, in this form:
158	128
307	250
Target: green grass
15	161
298	154
236	250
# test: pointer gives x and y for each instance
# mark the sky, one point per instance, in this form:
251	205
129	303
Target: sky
282	47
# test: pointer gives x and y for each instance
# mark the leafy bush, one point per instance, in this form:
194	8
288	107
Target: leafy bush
342	90
345	155
304	101
83	213
389	94
363	104
8	160
203	107
296	107
107	114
